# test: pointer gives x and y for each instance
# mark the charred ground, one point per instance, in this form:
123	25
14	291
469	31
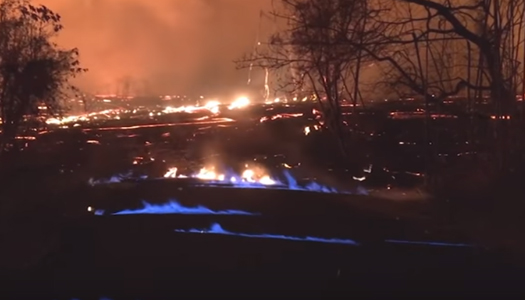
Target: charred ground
47	195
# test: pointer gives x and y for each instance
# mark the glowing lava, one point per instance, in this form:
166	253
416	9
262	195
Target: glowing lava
241	102
175	208
212	107
190	109
216	228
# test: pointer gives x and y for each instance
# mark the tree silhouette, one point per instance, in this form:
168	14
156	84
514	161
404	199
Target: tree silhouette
313	45
34	71
490	34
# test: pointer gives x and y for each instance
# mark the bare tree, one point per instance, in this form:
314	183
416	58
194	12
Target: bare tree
420	57
33	70
313	45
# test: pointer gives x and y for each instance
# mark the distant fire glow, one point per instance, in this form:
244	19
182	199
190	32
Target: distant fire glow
241	102
212	107
175	208
280	116
108	113
217	229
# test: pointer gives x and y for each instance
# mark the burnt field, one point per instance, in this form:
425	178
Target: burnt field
216	242
148	142
133	203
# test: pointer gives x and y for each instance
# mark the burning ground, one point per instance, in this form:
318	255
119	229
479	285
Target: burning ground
110	186
138	141
281	144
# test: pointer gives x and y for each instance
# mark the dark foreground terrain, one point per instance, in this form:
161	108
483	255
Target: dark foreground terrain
148	256
54	246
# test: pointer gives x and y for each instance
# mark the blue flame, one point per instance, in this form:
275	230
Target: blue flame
231	179
216	228
237	181
175	208
112	179
439	244
291	184
311	187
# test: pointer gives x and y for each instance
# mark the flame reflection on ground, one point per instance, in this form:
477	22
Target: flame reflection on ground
175	208
216	228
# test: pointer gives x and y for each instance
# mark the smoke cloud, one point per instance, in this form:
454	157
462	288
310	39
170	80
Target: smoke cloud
160	46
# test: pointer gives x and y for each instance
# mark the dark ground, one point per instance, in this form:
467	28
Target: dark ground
53	244
141	257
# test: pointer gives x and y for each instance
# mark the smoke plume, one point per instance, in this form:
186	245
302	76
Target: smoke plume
160	46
